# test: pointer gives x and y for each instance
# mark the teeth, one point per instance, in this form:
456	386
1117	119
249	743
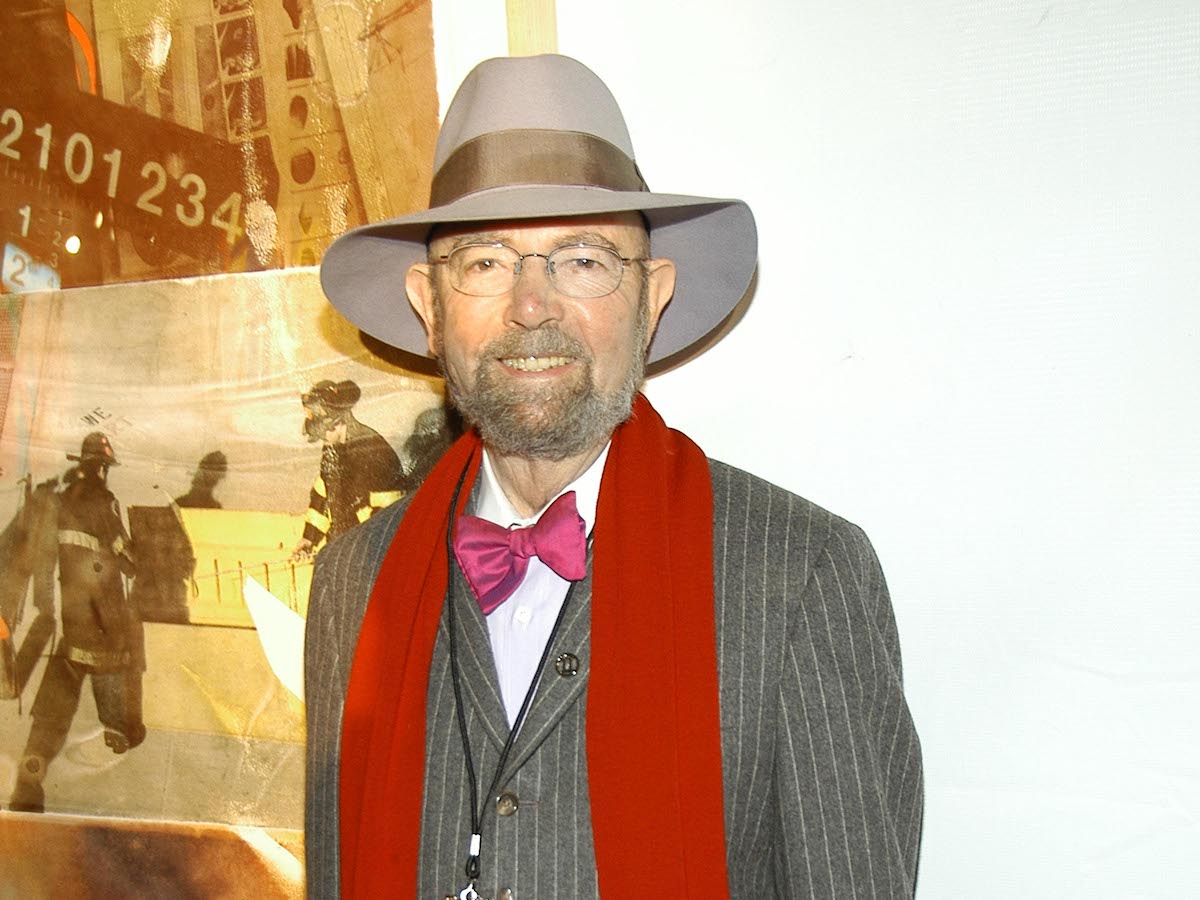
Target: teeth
536	363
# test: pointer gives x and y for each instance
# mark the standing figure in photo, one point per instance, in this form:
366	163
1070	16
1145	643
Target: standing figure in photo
166	579
210	472
28	550
584	659
360	472
102	635
432	433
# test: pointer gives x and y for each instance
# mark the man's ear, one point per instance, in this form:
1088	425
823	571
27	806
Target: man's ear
418	285
660	287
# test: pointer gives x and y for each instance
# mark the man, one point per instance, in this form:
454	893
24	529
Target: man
434	430
166	577
28	549
101	629
360	472
210	472
681	680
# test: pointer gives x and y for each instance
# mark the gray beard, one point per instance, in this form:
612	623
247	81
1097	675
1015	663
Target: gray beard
557	421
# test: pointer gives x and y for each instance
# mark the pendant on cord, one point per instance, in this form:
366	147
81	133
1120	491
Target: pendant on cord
469	892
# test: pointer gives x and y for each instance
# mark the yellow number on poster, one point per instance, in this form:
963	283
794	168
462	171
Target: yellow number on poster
225	217
83	172
13	119
158	175
198	189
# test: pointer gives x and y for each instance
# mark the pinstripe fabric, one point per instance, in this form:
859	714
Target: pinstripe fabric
547	845
822	766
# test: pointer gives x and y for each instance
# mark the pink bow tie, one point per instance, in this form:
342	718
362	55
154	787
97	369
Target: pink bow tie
494	559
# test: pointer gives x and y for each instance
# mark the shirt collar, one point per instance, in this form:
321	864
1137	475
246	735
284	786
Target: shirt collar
492	503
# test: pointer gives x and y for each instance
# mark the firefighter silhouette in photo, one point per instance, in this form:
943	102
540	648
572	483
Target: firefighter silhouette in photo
101	631
210	472
28	550
433	432
166	559
360	472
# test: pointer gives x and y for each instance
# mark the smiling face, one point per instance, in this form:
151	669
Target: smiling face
544	375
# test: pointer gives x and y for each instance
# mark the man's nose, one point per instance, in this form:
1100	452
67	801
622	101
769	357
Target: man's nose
535	301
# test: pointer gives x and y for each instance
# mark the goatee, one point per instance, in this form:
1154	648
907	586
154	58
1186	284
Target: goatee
555	419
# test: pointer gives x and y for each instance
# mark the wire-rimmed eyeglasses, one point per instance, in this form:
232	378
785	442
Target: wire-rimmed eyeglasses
581	271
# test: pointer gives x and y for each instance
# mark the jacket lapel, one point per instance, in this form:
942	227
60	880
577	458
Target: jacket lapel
478	666
557	693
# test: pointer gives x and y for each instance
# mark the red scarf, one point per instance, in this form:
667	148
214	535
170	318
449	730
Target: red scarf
653	719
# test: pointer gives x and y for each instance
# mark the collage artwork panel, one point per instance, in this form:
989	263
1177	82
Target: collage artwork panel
231	136
184	418
173	579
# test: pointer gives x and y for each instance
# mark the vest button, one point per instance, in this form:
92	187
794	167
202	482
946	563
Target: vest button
567	665
507	803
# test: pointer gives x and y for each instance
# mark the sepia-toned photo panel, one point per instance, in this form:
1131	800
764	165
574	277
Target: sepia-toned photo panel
184	420
173	455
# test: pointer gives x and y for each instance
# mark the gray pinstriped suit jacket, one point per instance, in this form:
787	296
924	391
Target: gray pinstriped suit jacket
822	766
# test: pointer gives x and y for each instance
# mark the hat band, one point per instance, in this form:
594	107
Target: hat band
533	156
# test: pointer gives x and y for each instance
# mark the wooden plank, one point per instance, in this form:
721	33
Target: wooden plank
532	27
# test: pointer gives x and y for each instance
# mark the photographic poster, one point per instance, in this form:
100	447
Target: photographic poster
163	444
184	419
142	140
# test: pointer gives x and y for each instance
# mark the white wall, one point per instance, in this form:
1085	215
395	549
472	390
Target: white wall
977	334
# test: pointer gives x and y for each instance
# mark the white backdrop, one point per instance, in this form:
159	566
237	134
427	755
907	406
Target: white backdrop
976	333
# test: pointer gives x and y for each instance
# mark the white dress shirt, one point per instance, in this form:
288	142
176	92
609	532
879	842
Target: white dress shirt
521	625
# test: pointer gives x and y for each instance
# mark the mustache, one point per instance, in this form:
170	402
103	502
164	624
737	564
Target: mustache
545	341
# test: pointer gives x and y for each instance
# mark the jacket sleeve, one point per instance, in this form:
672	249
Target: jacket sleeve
343	576
848	775
316	517
326	668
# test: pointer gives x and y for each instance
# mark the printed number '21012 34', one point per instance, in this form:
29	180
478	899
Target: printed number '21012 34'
79	163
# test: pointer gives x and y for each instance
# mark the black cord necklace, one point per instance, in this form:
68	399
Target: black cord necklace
477	809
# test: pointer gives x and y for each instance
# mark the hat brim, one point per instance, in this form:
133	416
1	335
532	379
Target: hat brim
90	457
713	243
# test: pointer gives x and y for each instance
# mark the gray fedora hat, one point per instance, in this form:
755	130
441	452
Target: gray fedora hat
535	137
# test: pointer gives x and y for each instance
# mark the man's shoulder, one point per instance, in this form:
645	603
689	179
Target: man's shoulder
365	445
742	502
738	488
746	502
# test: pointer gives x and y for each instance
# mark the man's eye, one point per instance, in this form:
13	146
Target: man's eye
482	265
583	263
